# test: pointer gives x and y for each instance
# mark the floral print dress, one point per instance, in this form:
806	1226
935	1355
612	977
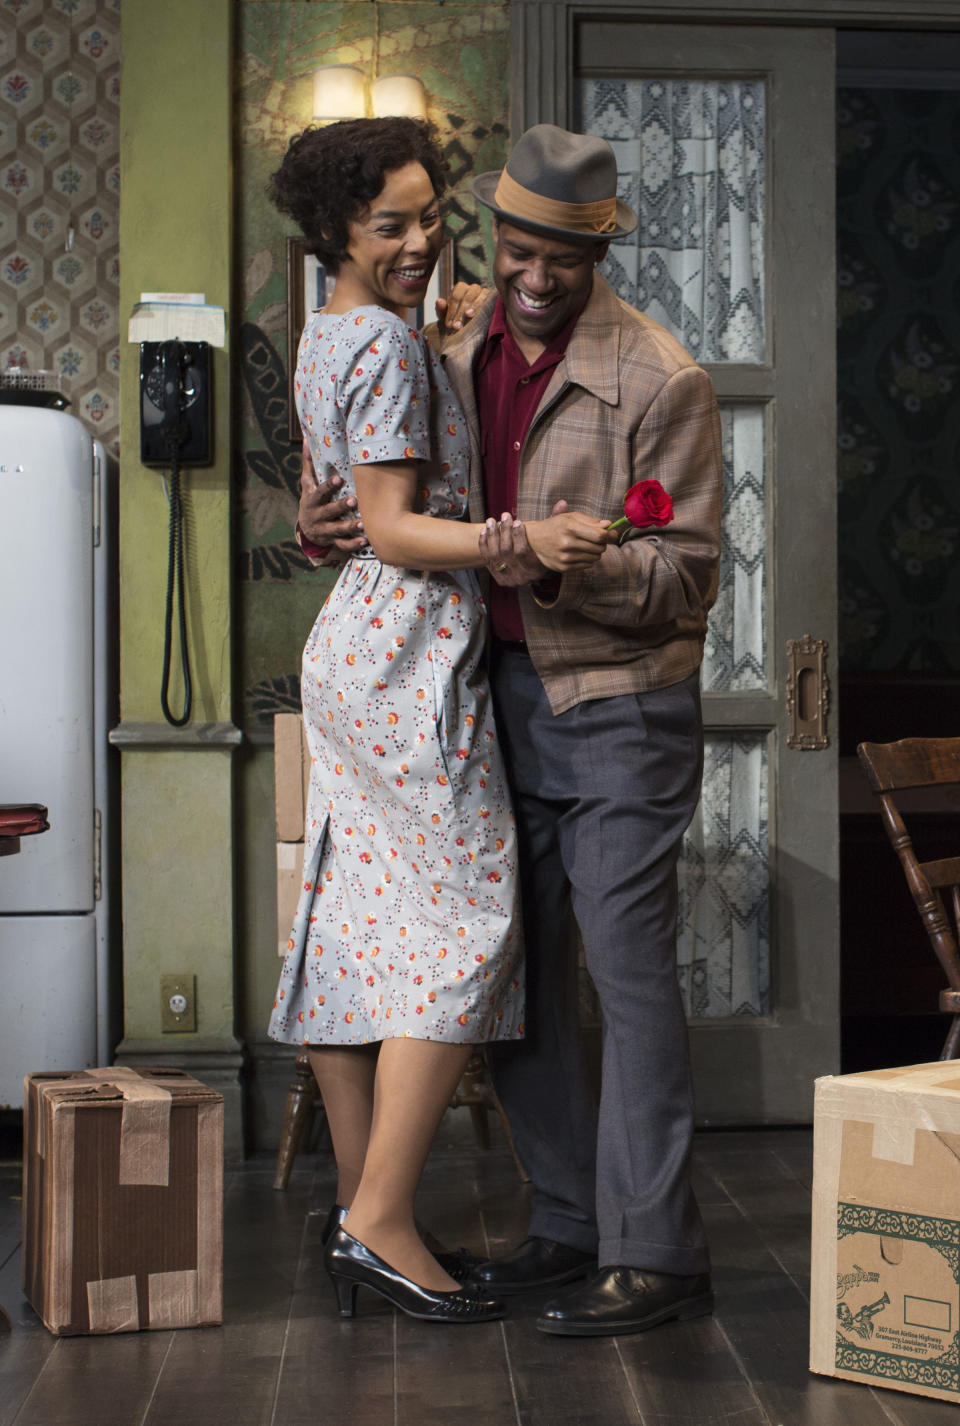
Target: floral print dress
408	920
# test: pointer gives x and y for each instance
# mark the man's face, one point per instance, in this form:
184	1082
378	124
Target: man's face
543	281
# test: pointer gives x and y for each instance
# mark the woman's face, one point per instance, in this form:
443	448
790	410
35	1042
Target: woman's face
393	247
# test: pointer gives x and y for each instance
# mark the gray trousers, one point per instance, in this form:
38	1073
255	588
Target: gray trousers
603	794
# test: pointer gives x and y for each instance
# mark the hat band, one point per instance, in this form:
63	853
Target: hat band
593	218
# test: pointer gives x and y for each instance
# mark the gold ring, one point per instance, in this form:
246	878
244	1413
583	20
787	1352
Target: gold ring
500	568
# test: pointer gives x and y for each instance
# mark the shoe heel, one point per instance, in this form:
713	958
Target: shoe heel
346	1290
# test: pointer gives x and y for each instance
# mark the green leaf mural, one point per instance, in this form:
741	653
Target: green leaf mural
460	50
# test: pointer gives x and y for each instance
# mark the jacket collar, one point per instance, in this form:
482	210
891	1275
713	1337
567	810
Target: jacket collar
592	358
593	352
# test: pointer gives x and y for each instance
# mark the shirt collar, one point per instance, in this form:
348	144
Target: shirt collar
499	331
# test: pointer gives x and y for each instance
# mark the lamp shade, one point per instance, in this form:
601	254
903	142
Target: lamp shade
398	94
338	92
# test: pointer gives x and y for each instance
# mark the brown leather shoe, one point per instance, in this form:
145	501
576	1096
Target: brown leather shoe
537	1262
620	1300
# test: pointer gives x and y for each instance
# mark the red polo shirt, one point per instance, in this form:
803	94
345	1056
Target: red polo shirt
509	389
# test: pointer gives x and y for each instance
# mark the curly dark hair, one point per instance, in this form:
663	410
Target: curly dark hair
329	176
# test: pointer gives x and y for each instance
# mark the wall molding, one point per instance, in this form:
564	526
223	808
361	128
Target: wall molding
543	32
143	737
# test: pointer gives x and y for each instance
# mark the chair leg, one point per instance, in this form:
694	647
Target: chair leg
297	1115
951	1046
476	1090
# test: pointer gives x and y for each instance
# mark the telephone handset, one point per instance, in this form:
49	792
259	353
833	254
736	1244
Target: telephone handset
175	432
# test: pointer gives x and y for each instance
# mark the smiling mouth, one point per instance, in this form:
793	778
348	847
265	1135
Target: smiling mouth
411	276
534	305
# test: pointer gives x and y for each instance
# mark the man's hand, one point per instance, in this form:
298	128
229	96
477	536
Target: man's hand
323	518
568	540
517	554
455	311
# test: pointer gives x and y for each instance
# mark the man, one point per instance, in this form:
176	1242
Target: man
571	396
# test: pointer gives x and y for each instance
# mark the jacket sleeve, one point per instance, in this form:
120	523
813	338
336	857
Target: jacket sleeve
664	578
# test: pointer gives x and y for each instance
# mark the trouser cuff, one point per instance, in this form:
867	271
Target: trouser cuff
560	1229
657	1257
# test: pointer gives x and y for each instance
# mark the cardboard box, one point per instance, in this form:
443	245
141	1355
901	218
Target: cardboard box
885	1268
122	1200
289	877
291	775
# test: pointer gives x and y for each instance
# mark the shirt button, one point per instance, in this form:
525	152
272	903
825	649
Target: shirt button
524	381
516	445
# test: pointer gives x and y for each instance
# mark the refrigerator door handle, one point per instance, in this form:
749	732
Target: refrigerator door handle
97	490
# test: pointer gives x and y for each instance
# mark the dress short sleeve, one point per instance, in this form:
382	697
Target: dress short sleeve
385	396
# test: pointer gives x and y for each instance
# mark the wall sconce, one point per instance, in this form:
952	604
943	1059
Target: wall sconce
340	92
398	94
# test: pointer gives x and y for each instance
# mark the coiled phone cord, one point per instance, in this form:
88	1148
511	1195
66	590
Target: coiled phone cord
175	584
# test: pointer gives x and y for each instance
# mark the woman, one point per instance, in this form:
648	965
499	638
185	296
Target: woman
406	948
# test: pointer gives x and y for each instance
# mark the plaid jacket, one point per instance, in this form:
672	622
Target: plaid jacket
626	403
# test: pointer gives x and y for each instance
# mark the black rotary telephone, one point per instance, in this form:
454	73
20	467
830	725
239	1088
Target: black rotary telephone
175	432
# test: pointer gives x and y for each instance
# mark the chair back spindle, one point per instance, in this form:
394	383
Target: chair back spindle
895	768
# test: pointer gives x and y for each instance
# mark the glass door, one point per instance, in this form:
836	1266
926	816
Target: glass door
725	146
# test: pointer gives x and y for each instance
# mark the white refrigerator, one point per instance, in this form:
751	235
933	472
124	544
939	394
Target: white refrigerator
55	682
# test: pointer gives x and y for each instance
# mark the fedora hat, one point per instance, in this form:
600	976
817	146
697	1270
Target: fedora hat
556	182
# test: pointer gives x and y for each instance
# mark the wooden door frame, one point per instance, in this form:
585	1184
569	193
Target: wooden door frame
542	35
800	1036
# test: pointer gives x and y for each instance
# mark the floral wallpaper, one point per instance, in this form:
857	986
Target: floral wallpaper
59	194
898	167
460	51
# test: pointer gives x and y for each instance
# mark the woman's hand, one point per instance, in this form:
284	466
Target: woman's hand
455	311
516	554
507	554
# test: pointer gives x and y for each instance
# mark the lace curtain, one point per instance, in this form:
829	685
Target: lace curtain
734	656
690	155
723	941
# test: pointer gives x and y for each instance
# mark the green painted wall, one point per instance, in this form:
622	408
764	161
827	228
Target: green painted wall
177	806
175	235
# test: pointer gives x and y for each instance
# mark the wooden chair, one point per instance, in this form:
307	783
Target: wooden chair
474	1091
303	1101
935	886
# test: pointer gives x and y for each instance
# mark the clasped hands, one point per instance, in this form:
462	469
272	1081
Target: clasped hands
518	553
514	553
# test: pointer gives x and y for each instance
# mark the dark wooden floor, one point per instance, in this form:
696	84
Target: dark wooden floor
282	1356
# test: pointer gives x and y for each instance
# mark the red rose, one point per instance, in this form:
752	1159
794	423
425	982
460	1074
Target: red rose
645	504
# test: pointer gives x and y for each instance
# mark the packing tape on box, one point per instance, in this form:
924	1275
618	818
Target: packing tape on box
144	1124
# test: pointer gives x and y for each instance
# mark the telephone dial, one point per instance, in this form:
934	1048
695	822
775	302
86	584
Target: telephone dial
175	403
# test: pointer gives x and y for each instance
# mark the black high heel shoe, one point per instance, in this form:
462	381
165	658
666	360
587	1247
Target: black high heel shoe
460	1264
351	1265
334	1218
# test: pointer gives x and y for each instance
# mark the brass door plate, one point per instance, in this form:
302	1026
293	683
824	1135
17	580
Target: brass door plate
808	694
178	1004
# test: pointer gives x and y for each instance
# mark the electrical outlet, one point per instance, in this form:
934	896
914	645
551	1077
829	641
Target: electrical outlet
178	1004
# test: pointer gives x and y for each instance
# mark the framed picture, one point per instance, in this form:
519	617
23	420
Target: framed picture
310	286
